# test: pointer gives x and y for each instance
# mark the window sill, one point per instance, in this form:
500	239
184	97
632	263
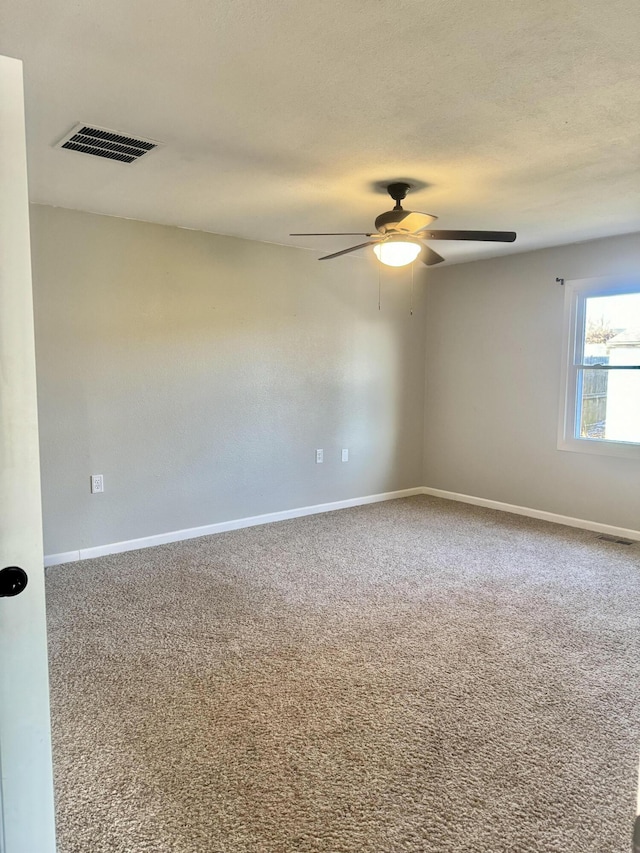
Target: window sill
600	448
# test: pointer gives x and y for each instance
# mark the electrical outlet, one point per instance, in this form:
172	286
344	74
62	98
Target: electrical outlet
97	484
345	454
319	455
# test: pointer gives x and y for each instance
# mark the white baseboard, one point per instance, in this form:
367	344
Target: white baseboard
543	515
221	527
64	557
270	517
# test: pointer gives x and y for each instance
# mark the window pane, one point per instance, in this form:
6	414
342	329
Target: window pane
612	329
609	405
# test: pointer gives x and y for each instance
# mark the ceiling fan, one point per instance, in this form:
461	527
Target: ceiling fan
401	233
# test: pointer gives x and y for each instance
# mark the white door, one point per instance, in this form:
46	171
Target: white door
26	789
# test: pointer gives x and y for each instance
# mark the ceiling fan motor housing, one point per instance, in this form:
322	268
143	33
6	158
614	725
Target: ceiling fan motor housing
386	221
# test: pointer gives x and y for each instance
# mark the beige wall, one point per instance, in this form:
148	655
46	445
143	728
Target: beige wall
494	332
198	374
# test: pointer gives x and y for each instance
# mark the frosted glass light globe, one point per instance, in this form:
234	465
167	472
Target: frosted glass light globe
397	252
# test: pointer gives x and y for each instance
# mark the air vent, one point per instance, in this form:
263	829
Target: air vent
106	143
618	540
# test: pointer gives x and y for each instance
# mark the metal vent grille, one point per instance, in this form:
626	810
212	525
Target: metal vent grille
617	539
106	143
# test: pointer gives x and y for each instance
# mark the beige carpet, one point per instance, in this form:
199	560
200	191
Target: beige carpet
417	675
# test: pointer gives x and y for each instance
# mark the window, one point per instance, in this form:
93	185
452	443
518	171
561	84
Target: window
600	405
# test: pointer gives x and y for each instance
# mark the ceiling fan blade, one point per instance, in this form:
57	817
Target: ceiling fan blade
334	234
414	221
485	236
429	257
346	251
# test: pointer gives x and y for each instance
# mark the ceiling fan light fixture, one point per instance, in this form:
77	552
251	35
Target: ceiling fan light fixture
397	250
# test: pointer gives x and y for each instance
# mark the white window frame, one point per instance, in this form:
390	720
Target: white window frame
576	294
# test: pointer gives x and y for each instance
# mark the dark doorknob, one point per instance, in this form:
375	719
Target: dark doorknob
12	581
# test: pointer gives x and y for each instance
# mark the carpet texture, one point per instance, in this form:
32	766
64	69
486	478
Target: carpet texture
416	675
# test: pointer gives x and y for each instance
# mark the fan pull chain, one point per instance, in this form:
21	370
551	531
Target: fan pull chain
379	286
411	298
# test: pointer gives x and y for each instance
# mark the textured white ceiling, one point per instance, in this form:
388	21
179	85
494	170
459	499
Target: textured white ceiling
281	116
